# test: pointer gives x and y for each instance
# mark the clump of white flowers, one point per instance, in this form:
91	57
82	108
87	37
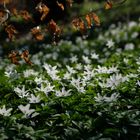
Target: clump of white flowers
100	99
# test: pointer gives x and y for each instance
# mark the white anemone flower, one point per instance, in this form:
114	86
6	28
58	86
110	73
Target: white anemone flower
94	56
63	92
52	71
70	69
74	59
115	80
34	99
110	43
5	112
27	111
138	83
30	72
100	99
21	92
46	88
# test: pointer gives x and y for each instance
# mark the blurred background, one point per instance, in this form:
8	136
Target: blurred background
123	13
129	10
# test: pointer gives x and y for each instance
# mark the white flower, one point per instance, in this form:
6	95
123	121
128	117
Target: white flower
118	51
126	60
134	35
86	59
101	37
113	69
78	66
30	72
38	80
102	84
86	51
5	112
52	71
70	69
112	98
63	92
78	84
67	75
131	75
101	70
132	24
138	61
101	99
8	74
115	80
79	40
94	56
35	59
54	55
129	46
138	83
21	92
109	70
73	59
34	99
10	67
110	43
88	72
80	89
27	111
46	89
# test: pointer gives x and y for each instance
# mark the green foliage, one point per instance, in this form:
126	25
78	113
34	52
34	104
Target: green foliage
101	111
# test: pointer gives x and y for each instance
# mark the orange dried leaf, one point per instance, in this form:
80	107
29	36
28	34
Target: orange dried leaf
25	15
4	15
60	5
54	28
96	19
36	32
82	26
75	23
88	19
43	9
5	1
69	2
15	12
39	37
52	25
11	31
25	56
79	24
108	5
13	57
